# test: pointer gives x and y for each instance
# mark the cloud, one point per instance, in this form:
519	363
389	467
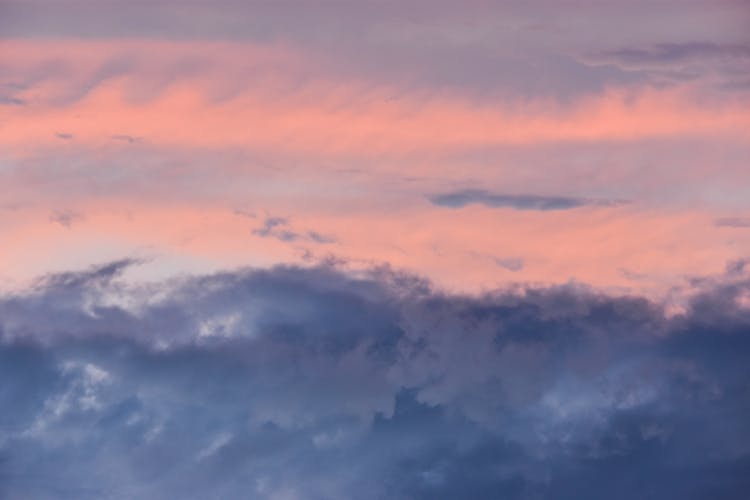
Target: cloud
462	198
11	101
130	139
320	238
273	227
311	383
673	53
245	213
724	65
65	218
632	275
736	267
732	222
511	264
277	227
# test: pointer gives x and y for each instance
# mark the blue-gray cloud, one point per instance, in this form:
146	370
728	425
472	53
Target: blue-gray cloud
724	65
273	227
310	383
320	237
671	53
732	222
464	197
11	101
511	263
278	228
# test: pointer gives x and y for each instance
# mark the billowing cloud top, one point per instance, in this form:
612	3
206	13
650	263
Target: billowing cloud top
311	383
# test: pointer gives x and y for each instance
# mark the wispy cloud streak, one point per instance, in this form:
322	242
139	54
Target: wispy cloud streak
462	198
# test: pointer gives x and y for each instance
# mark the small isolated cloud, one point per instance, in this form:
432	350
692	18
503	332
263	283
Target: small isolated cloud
274	227
511	264
10	206
11	101
320	238
130	139
732	222
65	218
244	213
462	198
278	228
64	136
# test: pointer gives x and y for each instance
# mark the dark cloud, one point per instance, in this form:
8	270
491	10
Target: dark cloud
64	136
310	383
732	222
273	227
278	228
462	198
736	267
77	281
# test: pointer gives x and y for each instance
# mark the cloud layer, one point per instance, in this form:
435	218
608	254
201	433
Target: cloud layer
314	383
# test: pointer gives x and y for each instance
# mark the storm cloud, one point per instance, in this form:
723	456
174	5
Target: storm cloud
317	383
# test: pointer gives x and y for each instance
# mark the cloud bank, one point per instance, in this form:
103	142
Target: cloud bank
314	383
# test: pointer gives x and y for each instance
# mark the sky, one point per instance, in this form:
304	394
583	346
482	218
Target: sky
372	249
